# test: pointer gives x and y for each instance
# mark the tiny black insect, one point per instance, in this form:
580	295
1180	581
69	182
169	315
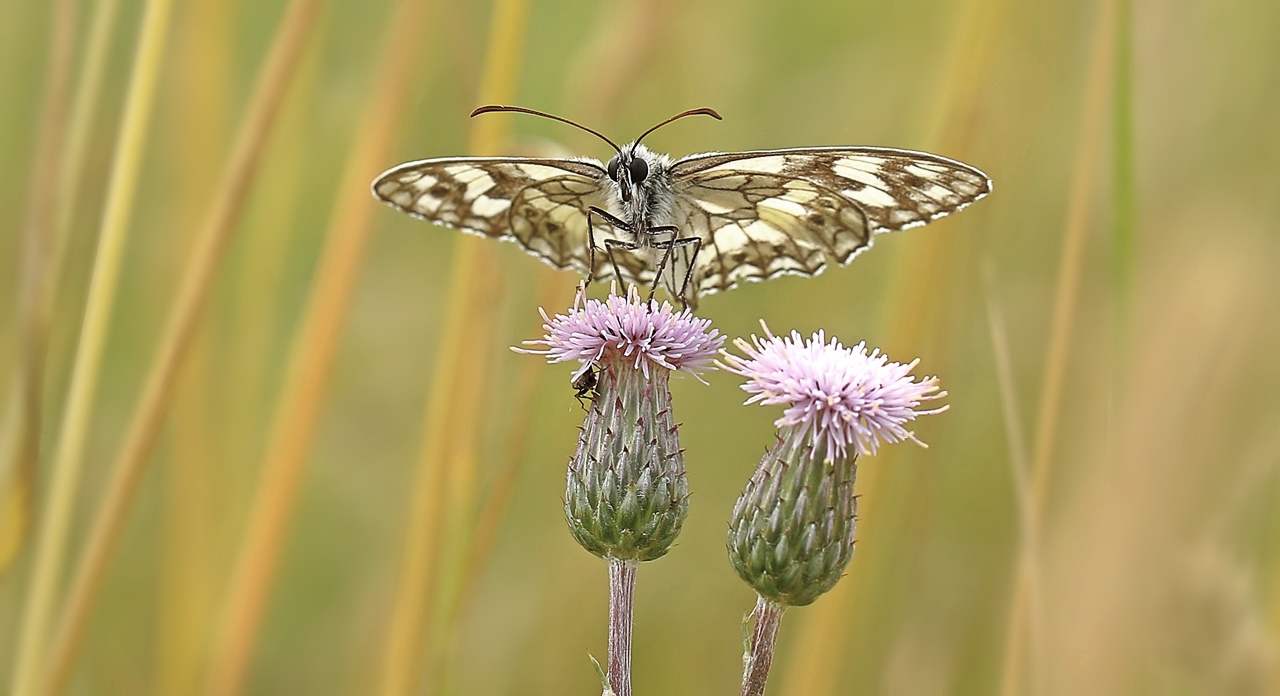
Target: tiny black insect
584	386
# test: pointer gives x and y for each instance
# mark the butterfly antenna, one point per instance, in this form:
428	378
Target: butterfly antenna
521	110
691	112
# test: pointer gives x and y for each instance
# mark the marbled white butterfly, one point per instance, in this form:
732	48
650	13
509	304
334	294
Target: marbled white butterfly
710	221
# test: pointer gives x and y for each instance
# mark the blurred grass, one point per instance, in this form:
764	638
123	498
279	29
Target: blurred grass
442	504
1157	570
66	462
206	256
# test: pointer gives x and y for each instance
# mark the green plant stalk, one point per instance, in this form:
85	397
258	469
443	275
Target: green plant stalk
20	428
69	451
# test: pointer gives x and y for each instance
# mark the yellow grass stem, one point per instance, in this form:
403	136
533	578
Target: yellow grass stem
815	668
1003	360
197	280
442	502
266	251
21	426
88	91
1018	465
22	423
17	473
555	291
311	356
69	451
1085	170
1124	177
20	437
444	481
188	563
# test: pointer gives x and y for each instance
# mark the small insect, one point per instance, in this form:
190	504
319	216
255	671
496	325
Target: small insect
697	225
584	385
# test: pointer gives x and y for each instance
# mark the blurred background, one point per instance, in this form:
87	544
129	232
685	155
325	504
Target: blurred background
264	435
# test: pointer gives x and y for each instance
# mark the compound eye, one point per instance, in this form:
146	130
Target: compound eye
612	168
639	170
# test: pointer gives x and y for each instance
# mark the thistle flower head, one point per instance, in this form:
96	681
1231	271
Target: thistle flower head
642	334
845	397
626	493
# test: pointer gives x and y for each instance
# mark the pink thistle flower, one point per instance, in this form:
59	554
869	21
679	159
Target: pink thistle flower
843	397
642	335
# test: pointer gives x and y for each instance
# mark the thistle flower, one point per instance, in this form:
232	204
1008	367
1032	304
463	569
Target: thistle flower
845	396
626	494
792	531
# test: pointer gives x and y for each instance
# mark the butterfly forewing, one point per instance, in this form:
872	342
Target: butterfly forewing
772	212
540	203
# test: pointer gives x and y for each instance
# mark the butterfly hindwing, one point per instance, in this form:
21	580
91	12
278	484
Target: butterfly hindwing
540	203
772	212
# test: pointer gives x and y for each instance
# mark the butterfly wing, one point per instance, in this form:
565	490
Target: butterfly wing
539	203
771	212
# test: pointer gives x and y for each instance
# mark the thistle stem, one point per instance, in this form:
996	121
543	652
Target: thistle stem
622	589
763	638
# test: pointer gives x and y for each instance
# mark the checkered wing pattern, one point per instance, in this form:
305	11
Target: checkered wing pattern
539	203
766	213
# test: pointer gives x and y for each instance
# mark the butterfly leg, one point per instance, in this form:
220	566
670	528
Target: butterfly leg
666	257
693	258
670	245
610	245
613	221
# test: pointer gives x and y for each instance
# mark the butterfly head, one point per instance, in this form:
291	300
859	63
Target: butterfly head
628	169
631	166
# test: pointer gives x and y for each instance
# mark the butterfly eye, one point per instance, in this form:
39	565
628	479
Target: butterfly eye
612	168
639	170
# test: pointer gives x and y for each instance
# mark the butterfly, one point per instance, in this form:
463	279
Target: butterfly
697	225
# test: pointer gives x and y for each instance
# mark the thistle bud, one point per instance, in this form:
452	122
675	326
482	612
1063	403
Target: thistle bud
791	534
626	495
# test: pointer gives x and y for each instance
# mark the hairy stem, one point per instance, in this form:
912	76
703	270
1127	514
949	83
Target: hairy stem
622	589
763	638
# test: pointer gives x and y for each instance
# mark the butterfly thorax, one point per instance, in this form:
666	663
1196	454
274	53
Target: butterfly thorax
641	194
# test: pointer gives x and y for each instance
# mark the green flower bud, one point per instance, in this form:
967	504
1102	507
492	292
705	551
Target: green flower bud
626	494
791	534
